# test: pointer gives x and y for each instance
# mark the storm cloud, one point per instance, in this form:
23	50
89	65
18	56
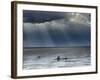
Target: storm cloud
56	29
45	16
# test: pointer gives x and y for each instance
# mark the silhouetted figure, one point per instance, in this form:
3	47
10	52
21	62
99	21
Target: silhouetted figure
58	58
39	57
65	58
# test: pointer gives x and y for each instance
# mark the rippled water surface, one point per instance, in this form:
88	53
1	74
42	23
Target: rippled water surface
41	58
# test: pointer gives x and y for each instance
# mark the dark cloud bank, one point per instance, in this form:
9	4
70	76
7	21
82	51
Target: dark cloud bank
56	29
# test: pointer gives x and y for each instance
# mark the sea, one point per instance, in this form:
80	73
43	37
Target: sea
46	58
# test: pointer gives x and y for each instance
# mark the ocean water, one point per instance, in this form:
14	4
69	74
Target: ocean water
43	58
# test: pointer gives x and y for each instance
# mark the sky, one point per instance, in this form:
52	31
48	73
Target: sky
56	29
